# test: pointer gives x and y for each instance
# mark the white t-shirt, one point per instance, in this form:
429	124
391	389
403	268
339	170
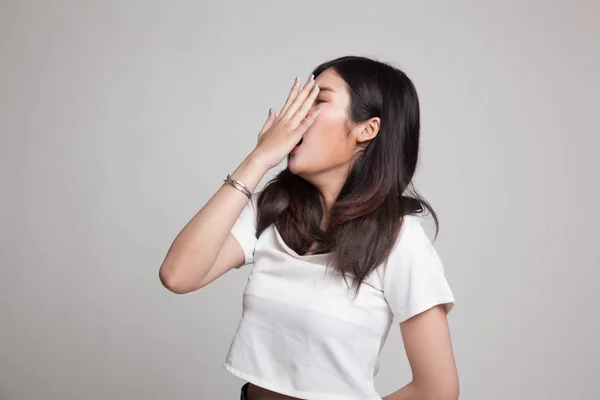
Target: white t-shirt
302	334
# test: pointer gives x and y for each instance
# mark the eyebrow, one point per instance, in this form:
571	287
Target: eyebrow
325	89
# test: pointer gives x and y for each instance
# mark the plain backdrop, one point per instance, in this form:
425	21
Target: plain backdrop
120	119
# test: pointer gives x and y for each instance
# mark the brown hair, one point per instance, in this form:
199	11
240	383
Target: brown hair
367	215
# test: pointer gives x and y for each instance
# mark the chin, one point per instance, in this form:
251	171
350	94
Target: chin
292	164
296	167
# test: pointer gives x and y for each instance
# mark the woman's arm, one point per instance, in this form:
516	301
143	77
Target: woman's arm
195	249
428	347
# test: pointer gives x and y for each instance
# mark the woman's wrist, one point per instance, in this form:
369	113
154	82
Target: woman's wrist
250	172
256	160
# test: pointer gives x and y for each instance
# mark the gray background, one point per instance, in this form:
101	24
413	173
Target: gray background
119	120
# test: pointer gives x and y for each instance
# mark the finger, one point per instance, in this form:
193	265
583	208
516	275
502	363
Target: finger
293	94
307	122
299	99
268	122
305	106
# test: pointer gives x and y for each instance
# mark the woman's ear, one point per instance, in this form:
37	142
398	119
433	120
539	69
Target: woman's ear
369	130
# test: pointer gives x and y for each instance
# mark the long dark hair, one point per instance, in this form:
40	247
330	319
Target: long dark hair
366	217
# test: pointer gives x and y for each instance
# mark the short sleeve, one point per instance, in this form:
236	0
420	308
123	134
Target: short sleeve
413	278
244	228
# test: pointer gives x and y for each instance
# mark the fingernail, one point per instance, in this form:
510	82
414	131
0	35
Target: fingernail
311	78
316	87
297	79
319	107
270	109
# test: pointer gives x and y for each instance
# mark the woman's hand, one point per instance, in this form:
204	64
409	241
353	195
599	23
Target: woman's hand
281	133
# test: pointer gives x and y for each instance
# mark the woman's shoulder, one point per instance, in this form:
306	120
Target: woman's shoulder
413	241
411	228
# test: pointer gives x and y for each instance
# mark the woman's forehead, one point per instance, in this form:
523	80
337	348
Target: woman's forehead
330	81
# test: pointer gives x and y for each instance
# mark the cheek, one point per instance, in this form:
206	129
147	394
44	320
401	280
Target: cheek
328	128
328	139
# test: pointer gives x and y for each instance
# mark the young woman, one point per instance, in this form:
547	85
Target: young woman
336	244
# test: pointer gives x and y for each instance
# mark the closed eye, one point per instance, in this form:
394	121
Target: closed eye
317	101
